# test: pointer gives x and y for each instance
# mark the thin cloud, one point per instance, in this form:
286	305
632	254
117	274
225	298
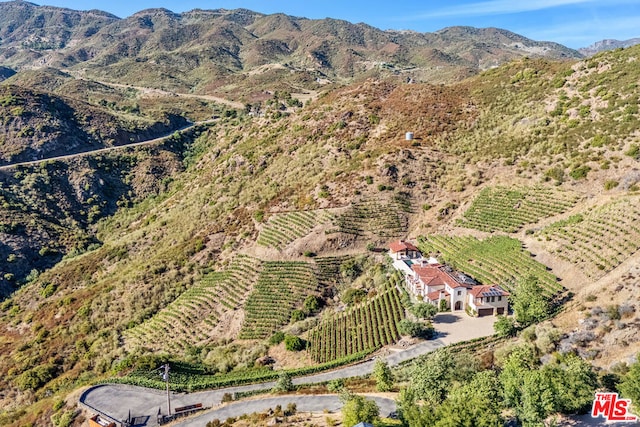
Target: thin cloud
498	7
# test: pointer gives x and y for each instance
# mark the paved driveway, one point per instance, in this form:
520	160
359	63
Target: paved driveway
116	400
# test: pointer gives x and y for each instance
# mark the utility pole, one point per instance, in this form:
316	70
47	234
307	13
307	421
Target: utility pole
166	379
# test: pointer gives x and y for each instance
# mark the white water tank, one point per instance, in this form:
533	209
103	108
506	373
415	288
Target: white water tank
408	136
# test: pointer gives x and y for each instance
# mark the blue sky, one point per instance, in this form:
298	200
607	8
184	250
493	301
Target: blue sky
574	23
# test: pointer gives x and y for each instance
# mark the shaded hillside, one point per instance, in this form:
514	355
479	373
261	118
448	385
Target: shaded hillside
39	126
200	48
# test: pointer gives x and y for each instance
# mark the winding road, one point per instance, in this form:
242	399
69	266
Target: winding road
117	400
107	149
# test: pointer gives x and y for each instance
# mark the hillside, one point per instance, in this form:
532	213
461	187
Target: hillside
215	240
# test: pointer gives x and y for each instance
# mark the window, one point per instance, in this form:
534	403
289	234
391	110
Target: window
493	299
499	298
459	292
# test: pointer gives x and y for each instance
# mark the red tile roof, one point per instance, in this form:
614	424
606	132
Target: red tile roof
429	275
436	275
435	295
401	245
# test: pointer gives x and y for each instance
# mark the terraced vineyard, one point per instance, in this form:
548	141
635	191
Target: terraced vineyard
599	240
191	319
368	326
510	208
282	229
496	260
328	270
280	288
385	219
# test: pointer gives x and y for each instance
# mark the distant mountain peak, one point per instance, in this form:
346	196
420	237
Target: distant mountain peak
608	44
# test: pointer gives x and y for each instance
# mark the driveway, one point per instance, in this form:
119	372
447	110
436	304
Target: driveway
116	400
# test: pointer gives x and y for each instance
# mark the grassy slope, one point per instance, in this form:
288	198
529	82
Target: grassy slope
493	128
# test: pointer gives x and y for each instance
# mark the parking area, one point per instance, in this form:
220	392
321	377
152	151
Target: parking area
458	326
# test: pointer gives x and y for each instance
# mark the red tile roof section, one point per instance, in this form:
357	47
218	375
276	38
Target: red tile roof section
435	295
401	245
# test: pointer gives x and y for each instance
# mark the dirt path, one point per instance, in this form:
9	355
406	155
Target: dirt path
161	92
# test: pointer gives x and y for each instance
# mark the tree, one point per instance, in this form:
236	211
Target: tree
424	310
283	383
357	409
476	403
383	376
575	383
538	398
432	379
529	303
351	268
520	360
630	385
312	304
504	327
412	412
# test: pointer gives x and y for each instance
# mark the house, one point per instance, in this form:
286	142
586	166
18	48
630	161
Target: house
488	300
441	285
403	250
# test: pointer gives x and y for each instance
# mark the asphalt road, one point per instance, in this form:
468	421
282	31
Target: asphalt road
116	400
316	403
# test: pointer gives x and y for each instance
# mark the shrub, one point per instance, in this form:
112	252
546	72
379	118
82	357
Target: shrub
424	310
48	289
312	304
294	343
579	172
35	378
556	173
335	386
610	184
291	409
416	329
276	338
297	315
353	296
633	151
283	383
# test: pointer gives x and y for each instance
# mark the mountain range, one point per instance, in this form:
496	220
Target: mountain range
201	47
608	44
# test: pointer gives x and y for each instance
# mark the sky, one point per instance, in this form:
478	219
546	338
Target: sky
573	23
